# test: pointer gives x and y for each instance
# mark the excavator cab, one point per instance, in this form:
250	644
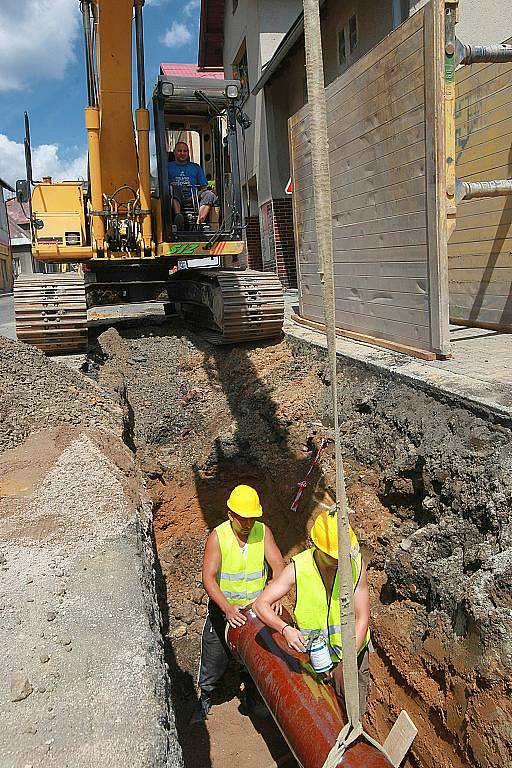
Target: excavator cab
202	113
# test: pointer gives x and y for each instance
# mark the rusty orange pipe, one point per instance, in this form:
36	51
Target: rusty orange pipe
305	709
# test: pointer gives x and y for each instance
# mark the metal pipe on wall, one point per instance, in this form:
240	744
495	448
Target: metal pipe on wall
305	709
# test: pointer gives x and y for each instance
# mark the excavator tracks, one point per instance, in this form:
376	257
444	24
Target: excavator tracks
50	312
242	305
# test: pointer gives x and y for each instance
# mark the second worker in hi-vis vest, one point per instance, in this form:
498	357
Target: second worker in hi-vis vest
314	573
236	562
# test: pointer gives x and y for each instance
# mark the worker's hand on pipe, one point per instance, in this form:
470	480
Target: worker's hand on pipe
277	607
294	639
234	616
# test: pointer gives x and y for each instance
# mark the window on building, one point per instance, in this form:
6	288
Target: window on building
235	5
352	33
241	72
342	48
400	11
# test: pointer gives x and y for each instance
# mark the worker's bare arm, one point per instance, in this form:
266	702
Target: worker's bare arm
362	607
273	554
274	558
273	593
211	565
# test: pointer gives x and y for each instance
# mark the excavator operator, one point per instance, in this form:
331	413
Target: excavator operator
188	180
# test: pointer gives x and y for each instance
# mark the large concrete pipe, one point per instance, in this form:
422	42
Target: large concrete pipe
305	709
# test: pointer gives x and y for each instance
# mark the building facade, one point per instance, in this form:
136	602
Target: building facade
262	43
6	275
21	243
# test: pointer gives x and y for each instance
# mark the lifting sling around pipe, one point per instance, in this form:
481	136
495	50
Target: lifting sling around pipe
304	707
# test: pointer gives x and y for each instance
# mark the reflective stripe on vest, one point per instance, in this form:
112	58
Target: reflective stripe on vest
241	580
313	611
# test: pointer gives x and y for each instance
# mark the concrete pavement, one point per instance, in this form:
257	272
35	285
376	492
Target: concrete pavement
7	327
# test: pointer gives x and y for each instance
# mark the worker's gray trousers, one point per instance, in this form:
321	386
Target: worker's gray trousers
363	680
215	654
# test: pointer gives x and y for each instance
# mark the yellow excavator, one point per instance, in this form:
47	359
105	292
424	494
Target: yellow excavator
116	236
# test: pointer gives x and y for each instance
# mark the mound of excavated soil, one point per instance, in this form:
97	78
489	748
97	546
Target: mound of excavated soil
429	482
36	393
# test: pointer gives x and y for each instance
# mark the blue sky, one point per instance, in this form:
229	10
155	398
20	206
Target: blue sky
42	71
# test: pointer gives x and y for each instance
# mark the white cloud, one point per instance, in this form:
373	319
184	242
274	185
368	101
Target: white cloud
178	34
192	7
36	40
45	162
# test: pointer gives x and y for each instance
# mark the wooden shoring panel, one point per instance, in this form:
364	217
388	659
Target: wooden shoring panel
386	138
480	249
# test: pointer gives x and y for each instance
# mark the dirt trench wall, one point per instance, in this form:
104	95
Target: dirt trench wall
429	481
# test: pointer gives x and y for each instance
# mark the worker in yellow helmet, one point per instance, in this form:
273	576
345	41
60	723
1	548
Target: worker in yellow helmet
314	573
237	556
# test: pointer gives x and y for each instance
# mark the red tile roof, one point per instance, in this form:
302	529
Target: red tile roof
190	70
16	212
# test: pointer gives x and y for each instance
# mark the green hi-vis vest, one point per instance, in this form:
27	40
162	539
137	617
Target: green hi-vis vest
314	611
241	580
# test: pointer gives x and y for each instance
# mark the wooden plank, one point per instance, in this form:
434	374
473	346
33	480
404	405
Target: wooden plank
498	233
415	269
397	141
372	167
501	304
485	247
399	175
497	282
356	307
418	285
385	114
482	131
393	330
491	218
482	318
407	300
408	205
488	144
436	177
367	339
479	261
412	253
394	74
400	739
398	223
385	240
384	96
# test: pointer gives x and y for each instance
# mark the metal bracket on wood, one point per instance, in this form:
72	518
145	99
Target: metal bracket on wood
482	54
469	190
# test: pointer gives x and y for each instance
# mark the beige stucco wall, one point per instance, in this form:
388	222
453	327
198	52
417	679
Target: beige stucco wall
261	24
481	23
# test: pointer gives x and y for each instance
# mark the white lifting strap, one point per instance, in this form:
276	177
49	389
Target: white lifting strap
322	202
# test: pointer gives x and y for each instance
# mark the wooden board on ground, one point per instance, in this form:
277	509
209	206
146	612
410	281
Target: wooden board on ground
480	249
385	119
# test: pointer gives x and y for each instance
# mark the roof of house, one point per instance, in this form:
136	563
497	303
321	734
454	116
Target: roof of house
191	70
211	34
5	185
18	235
16	212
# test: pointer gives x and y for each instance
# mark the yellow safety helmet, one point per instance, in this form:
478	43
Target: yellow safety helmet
244	501
324	534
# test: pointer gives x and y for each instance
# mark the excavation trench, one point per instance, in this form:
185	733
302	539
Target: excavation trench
430	492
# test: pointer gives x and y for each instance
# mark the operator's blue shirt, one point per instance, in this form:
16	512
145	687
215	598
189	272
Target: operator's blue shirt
186	176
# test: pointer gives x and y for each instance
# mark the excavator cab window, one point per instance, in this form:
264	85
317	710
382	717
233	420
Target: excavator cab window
198	112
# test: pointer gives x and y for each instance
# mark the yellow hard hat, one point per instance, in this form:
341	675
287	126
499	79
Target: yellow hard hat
324	534
244	501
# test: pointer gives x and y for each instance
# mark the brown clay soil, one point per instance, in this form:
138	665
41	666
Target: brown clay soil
202	419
